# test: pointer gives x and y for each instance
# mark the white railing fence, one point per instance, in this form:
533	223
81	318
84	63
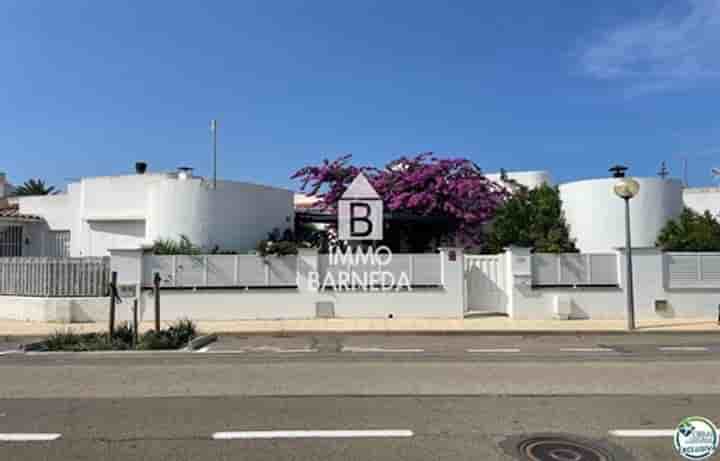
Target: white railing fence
692	270
55	277
574	269
184	271
419	269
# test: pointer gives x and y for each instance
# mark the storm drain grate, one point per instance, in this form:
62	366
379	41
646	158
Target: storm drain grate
561	447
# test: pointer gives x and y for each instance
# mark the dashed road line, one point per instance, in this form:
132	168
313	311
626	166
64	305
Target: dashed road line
587	349
380	349
683	349
642	433
29	437
312	434
280	350
493	351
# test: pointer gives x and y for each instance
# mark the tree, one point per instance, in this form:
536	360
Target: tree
35	187
691	231
454	191
531	218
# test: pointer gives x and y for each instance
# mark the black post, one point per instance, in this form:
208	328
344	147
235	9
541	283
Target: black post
629	270
113	298
718	314
135	323
156	283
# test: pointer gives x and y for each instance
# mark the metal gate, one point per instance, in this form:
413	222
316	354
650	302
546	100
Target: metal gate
485	284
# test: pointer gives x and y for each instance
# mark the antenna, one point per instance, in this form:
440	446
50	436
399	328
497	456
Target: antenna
213	130
664	172
685	169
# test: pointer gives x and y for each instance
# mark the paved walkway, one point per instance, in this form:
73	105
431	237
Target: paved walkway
479	325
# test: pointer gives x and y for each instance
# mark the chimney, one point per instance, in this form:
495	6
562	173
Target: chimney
140	167
185	172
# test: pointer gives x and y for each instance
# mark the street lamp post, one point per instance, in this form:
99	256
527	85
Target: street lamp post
627	188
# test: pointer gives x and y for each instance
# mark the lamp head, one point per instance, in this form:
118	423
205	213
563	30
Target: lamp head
626	188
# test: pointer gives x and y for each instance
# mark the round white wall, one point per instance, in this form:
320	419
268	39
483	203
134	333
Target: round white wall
596	215
179	207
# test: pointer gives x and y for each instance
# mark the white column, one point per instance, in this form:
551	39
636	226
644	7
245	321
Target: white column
518	278
452	266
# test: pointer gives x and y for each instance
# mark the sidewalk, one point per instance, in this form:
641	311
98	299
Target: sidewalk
487	325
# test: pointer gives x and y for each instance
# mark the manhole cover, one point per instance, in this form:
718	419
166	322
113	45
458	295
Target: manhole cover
561	447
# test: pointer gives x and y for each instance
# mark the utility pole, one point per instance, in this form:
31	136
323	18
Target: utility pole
213	129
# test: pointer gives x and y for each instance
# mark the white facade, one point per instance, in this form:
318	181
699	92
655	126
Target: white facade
529	179
702	199
135	210
596	216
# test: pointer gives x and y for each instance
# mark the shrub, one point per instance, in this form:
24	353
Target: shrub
531	218
175	336
175	247
279	244
691	231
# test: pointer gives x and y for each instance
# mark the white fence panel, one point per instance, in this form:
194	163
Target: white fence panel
187	271
574	269
422	269
692	270
53	277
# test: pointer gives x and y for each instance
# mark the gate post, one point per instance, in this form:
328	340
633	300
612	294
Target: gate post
452	272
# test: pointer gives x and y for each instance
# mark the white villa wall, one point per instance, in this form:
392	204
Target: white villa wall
106	235
529	179
702	199
134	210
596	216
610	303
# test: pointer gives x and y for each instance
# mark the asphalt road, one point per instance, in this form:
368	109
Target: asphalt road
447	402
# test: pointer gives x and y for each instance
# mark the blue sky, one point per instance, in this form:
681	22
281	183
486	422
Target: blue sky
87	88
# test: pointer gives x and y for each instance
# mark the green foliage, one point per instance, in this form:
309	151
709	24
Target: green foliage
531	218
35	187
691	231
175	247
175	336
279	244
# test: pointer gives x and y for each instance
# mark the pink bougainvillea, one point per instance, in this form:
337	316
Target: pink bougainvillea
423	185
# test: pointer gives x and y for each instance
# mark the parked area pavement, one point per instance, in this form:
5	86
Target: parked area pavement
491	324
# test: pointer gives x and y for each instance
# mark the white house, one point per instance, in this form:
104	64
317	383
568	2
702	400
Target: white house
97	214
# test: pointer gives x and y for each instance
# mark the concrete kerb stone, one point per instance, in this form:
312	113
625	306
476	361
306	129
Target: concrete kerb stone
200	342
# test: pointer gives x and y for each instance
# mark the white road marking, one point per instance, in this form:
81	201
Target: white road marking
642	433
311	434
684	349
19	437
12	351
203	349
492	351
280	350
229	351
587	349
379	349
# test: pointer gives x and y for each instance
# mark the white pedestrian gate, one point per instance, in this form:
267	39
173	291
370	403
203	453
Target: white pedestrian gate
485	284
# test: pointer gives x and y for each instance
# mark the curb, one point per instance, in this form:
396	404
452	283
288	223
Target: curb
465	332
200	342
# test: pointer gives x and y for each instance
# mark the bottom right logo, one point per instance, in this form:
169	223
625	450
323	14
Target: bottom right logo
696	438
